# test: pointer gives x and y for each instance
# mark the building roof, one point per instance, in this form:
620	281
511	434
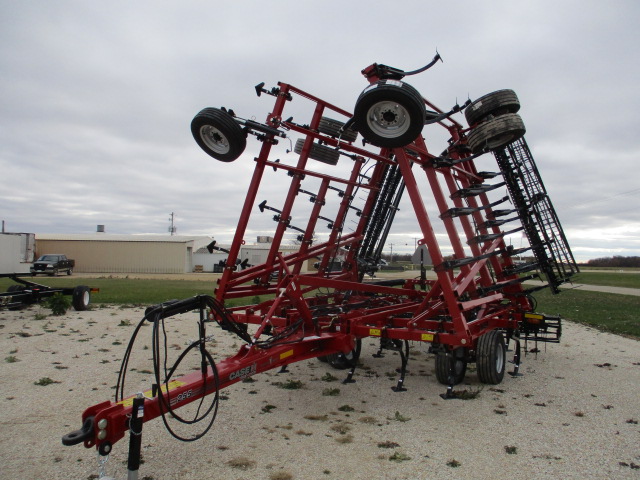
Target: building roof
107	237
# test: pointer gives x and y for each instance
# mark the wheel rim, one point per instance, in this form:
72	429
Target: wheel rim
85	298
499	357
214	139
388	119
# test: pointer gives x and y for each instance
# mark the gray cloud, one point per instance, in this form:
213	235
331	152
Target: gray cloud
98	97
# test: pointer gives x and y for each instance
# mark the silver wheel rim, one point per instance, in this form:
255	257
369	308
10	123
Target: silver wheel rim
85	298
214	139
388	119
499	358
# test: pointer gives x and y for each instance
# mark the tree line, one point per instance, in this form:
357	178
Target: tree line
616	262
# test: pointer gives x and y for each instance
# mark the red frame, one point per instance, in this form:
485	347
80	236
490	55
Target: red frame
448	311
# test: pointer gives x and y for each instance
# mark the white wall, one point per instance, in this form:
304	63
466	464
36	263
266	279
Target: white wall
16	252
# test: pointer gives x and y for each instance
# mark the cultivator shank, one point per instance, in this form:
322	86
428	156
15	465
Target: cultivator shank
338	200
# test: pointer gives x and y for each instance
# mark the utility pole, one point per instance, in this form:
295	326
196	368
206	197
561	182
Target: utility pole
391	257
172	228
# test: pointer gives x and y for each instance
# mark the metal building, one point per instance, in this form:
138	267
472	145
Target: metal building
100	253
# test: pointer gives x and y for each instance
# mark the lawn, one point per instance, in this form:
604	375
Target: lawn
611	312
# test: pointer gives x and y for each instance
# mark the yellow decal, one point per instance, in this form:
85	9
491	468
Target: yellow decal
427	337
286	354
128	402
375	332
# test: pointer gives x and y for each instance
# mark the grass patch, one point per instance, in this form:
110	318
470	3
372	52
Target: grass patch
606	311
289	385
399	457
330	392
44	381
609	279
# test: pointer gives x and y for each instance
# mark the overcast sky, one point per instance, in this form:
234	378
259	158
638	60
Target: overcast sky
97	100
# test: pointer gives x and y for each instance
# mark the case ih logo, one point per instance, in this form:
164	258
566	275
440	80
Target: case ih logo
243	372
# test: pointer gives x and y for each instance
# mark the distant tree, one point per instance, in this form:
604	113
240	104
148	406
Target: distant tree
615	262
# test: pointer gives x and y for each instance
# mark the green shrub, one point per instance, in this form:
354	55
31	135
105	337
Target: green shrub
59	304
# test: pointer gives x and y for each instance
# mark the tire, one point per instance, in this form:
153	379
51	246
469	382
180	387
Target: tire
81	298
390	114
331	127
342	361
444	362
495	103
319	152
70	272
496	133
491	357
218	134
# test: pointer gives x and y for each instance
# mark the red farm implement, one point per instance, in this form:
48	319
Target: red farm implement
476	301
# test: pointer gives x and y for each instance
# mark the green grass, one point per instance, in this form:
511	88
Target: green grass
609	278
611	312
608	311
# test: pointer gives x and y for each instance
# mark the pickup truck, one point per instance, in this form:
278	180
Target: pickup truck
52	263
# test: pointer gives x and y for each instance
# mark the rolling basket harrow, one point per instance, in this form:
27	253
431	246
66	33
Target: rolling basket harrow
478	302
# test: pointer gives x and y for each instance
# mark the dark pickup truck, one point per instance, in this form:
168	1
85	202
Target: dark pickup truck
53	263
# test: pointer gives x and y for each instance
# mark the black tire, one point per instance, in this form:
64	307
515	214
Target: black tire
218	134
494	103
331	127
496	133
70	272
81	298
456	359
390	114
491	357
15	288
342	361
319	152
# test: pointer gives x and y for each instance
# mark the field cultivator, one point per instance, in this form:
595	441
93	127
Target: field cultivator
476	304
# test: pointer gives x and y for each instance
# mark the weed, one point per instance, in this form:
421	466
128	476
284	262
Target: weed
59	304
453	463
632	421
345	439
341	428
44	381
289	384
317	418
399	457
346	408
241	463
579	414
330	392
388	444
40	316
11	359
280	475
465	394
511	450
398	417
327	377
124	323
268	408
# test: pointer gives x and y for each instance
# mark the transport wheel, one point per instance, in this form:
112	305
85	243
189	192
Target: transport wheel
70	272
319	152
81	298
16	289
218	134
332	127
342	361
494	103
444	363
496	133
491	358
390	113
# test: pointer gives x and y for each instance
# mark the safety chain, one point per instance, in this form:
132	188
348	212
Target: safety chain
102	463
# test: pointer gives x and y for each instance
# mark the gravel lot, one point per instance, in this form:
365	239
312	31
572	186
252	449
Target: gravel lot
574	413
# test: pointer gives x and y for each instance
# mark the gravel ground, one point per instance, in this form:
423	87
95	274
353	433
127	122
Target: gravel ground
573	414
